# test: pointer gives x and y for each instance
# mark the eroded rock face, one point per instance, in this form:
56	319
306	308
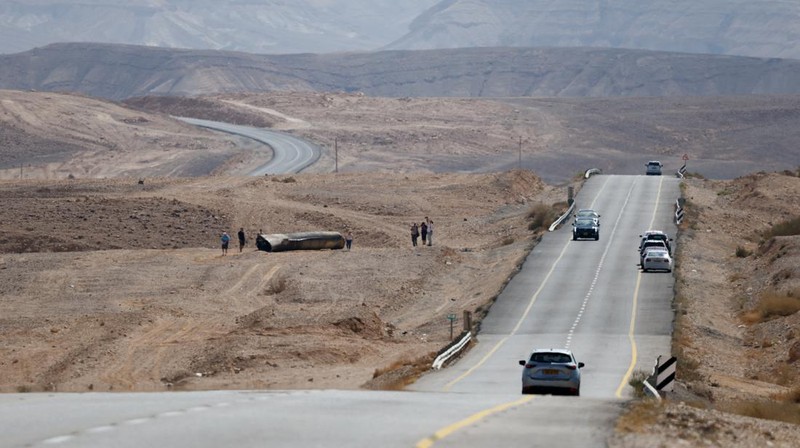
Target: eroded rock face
794	352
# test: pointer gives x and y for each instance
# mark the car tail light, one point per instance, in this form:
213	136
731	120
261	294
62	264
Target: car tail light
530	365
571	366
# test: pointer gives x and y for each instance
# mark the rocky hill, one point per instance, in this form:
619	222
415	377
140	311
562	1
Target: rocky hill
258	27
122	71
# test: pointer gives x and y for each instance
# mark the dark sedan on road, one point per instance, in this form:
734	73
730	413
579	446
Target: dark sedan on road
586	228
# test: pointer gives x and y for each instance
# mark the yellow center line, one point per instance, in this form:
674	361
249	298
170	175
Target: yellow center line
634	307
448	430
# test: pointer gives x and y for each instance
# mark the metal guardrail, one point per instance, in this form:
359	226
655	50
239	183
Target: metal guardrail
452	351
561	218
591	171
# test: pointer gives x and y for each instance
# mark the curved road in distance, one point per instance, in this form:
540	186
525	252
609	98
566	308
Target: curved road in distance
290	154
586	295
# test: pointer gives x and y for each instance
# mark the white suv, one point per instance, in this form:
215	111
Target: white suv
653	168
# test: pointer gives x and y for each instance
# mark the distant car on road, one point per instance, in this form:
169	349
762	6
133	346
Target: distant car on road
653	168
587	213
551	371
656	260
586	228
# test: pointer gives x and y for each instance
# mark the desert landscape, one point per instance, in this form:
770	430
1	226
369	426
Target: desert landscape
112	279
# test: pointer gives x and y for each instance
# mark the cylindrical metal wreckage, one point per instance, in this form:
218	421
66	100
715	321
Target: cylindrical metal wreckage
279	242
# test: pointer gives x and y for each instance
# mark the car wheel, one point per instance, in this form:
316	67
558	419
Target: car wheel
644	270
574	237
596	237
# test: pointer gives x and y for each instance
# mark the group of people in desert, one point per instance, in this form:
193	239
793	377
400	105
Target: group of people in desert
425	230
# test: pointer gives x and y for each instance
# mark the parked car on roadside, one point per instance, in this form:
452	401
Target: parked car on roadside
656	259
653	168
655	235
551	371
650	244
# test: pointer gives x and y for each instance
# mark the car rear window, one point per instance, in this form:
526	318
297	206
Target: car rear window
551	357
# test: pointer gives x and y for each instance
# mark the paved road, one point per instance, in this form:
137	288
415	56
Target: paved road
585	295
290	154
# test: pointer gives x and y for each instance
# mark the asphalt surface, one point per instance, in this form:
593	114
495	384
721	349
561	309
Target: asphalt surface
290	154
588	296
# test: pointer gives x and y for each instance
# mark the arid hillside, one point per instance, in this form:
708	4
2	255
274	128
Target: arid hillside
724	137
124	71
53	135
112	284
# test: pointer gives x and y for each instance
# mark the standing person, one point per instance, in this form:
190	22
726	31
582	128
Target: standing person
225	239
414	234
430	232
348	240
424	231
241	239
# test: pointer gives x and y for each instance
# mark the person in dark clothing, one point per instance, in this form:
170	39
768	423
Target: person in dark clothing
348	240
241	239
423	231
414	234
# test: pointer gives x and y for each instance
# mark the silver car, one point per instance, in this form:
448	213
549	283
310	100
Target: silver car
551	371
651	244
656	259
653	168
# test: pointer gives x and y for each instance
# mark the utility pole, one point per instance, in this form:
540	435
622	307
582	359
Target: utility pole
336	154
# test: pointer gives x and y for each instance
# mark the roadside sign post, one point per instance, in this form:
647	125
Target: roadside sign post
451	318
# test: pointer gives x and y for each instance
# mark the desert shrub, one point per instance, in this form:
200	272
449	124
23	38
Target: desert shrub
741	252
636	381
640	415
771	304
508	240
539	216
786	228
782	411
792	396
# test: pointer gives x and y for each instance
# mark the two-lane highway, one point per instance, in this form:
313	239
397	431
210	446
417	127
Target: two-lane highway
589	296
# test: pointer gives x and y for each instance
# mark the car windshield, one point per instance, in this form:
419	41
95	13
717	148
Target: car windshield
584	222
657	236
587	213
653	164
551	357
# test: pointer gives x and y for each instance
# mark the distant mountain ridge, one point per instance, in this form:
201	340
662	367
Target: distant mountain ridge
757	28
267	26
123	71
